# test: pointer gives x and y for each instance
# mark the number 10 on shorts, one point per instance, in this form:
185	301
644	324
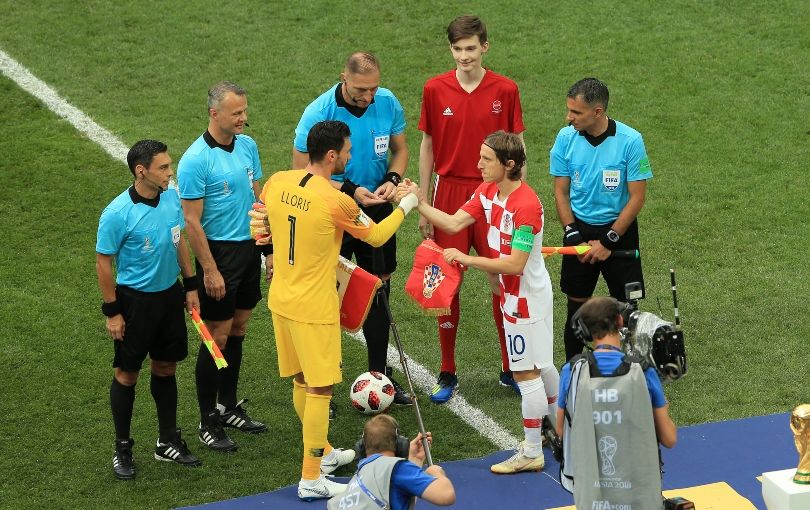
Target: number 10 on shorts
516	345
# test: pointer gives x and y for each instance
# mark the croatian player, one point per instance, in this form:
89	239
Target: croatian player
512	216
459	106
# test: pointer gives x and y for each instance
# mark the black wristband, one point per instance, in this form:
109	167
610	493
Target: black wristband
111	309
393	177
349	188
610	239
572	235
267	249
190	283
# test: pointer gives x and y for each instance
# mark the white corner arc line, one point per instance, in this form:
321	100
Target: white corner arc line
42	91
476	418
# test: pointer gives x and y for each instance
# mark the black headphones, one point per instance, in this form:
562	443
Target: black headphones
403	446
581	331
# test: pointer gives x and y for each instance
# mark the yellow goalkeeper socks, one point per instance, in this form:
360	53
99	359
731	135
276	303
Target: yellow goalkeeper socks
316	429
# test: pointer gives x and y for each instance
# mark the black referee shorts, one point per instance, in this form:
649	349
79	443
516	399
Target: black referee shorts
239	263
379	261
579	280
155	325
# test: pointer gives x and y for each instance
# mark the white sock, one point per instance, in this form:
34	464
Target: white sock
534	405
551	380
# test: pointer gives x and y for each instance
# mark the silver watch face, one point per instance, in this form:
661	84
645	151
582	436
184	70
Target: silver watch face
613	236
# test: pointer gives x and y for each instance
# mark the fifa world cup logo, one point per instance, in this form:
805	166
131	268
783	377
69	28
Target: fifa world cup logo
607	449
800	425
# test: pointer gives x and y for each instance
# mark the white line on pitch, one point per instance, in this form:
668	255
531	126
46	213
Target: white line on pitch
423	378
39	89
477	419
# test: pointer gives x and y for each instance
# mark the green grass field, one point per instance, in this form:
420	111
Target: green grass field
719	90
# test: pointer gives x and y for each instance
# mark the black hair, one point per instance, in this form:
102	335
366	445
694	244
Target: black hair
593	91
143	152
325	136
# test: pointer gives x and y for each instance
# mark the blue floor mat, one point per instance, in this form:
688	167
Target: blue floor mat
735	452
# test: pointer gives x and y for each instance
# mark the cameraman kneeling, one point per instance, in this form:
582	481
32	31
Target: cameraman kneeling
612	415
385	480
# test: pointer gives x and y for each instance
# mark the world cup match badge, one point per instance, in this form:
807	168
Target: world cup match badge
432	279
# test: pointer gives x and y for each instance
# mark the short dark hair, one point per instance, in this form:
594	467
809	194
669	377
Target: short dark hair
218	91
601	316
325	136
466	26
508	146
362	62
380	434
143	152
593	91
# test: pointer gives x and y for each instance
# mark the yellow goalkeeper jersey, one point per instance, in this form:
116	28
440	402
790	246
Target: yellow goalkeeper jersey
307	219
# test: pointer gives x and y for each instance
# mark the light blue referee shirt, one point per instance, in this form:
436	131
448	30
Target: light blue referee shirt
371	132
143	235
223	176
599	174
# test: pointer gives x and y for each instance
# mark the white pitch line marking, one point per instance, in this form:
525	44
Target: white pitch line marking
477	419
84	124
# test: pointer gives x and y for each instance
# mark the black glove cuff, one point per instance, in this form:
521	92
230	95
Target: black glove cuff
111	309
572	235
267	249
190	283
610	239
349	188
393	177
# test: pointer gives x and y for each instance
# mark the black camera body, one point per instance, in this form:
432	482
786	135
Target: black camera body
651	338
678	503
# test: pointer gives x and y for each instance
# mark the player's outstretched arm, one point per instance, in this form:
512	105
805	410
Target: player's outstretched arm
440	219
511	264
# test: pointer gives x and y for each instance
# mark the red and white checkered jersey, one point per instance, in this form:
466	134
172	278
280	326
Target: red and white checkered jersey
527	297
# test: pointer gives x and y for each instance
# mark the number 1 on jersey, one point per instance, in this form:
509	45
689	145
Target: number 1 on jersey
291	257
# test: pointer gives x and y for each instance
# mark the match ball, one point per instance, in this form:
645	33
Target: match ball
371	393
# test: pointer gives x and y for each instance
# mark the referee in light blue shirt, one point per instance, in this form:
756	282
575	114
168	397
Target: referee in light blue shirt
218	179
140	231
600	169
378	161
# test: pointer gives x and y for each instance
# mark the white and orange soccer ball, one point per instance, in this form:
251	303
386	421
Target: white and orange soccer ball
371	392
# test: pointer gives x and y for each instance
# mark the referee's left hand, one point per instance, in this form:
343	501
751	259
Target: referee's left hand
214	285
596	254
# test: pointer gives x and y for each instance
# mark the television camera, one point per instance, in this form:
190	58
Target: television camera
651	338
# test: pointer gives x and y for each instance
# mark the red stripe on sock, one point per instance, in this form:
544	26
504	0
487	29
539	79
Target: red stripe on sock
531	423
552	400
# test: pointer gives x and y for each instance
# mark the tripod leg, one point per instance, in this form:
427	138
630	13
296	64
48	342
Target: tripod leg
407	372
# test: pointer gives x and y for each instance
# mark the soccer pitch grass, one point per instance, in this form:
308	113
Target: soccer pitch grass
719	91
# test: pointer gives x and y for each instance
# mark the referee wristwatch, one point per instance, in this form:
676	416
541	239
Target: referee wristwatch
611	239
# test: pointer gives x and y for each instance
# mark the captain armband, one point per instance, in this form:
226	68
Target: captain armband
523	238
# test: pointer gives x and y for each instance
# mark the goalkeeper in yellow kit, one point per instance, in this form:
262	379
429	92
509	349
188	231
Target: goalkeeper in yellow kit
307	218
